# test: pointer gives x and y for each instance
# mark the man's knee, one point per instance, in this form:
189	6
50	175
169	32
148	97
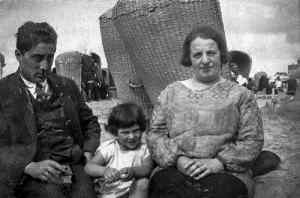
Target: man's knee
6	191
83	186
42	190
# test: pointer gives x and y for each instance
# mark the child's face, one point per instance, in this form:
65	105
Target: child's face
129	138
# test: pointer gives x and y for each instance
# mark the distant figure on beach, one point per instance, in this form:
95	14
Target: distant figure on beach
240	65
2	60
264	85
278	85
2	64
89	77
101	88
291	86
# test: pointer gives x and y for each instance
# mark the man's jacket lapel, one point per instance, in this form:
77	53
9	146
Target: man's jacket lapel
29	117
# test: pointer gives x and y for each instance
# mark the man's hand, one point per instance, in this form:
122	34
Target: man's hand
47	170
88	155
111	175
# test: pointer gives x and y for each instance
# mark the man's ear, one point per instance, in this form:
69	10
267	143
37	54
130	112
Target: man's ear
18	54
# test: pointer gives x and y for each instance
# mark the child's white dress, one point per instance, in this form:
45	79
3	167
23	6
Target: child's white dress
116	158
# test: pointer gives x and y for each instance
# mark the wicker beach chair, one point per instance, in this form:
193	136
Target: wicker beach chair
68	64
153	32
129	86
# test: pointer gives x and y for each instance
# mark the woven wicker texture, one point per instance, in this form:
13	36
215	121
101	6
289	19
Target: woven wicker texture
68	64
153	32
123	72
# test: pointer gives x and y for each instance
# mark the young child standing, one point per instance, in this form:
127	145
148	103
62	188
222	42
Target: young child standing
123	163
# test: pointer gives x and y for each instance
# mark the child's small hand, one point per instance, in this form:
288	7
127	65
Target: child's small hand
111	175
67	170
126	173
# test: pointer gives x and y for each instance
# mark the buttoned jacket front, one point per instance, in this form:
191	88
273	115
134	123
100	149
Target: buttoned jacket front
18	128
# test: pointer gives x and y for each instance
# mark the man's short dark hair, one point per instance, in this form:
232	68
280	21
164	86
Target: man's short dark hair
126	115
30	34
205	32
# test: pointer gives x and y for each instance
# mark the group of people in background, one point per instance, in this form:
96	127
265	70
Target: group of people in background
240	66
94	79
205	137
276	86
93	82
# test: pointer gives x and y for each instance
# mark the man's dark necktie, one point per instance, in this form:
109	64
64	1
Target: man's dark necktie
41	94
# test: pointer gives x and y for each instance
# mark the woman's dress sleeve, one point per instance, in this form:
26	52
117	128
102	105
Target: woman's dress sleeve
163	149
239	155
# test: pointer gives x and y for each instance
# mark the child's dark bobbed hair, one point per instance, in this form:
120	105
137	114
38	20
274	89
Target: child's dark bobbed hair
125	115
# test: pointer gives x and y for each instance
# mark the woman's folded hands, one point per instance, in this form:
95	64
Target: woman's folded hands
198	168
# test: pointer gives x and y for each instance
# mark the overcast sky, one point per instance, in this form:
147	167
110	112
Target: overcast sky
269	30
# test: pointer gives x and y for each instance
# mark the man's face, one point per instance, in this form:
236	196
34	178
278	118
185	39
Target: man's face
35	63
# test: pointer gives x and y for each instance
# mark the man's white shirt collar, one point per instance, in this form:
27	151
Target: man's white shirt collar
32	86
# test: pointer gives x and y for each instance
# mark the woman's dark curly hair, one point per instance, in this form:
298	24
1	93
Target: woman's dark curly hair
205	32
126	115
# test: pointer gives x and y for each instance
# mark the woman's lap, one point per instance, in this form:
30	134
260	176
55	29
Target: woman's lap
171	183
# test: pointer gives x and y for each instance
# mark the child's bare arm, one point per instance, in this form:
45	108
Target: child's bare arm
138	171
95	167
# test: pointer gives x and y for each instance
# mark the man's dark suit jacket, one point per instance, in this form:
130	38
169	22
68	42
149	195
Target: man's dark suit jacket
18	129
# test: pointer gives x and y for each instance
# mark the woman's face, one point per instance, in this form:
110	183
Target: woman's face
206	59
